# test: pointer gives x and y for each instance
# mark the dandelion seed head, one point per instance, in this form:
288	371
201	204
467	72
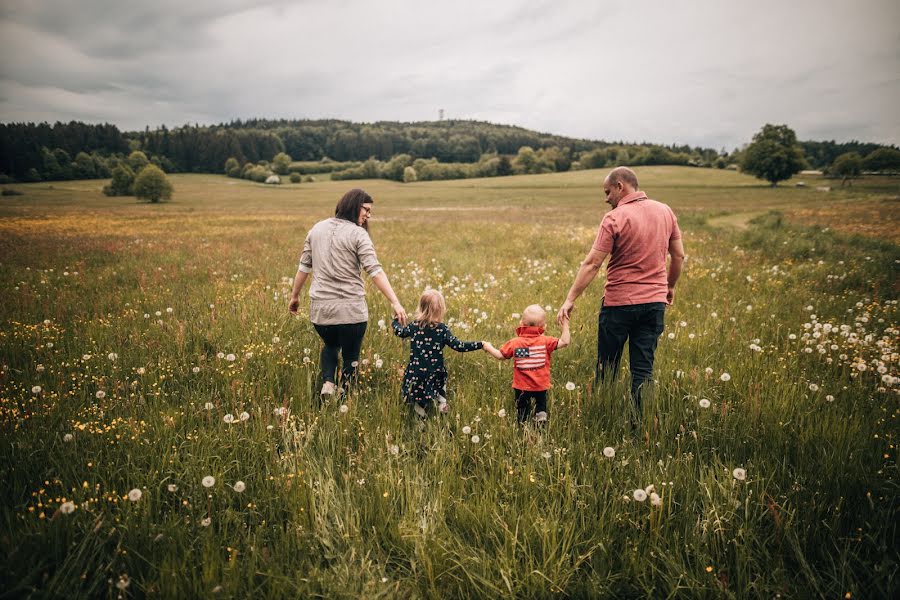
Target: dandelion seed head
475	439
245	416
466	430
208	481
704	403
36	389
570	386
725	377
344	408
67	508
639	495
135	495
739	474
68	437
609	452
228	418
239	486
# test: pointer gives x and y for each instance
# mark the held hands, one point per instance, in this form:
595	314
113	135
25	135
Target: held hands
670	296
399	313
565	312
490	349
294	305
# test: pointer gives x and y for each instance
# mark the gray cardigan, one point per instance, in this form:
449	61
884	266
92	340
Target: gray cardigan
337	250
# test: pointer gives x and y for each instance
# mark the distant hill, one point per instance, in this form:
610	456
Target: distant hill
32	152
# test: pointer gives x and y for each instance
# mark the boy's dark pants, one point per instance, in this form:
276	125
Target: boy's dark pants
639	324
524	409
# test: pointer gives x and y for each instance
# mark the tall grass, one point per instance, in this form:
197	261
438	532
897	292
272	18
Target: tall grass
367	503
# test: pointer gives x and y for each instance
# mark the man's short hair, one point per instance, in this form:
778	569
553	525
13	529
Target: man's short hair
625	175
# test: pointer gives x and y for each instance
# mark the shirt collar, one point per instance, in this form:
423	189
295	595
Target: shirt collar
529	330
633	196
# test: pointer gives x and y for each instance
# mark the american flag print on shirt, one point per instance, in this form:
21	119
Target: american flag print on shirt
532	357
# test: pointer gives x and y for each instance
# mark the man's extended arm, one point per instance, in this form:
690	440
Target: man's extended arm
587	272
676	250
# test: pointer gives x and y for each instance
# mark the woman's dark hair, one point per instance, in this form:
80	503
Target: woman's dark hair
349	206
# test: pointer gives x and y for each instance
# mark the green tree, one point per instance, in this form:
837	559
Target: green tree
883	159
296	177
281	164
395	168
504	167
409	174
152	184
846	166
122	182
83	166
526	161
232	167
773	155
137	160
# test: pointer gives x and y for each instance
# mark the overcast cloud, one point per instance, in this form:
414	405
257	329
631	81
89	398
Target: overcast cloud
707	72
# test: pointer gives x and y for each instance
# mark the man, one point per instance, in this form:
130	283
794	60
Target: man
636	234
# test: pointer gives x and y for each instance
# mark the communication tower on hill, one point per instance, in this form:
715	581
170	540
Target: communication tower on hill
440	114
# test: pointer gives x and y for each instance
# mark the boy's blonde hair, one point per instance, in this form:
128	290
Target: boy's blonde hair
534	315
432	308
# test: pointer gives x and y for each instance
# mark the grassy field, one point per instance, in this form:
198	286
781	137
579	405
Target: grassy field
147	347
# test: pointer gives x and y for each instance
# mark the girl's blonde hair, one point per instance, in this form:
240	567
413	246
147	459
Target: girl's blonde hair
432	308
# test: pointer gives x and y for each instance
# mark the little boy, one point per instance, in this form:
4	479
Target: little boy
531	350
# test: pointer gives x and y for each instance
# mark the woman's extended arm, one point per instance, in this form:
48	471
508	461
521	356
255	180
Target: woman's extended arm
299	280
384	286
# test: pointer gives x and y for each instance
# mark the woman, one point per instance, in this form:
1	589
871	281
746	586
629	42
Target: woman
336	249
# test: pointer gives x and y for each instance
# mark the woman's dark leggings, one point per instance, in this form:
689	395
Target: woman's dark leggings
345	339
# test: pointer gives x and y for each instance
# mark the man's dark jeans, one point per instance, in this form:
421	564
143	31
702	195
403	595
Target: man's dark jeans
639	324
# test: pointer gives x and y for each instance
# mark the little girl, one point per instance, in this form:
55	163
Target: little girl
425	378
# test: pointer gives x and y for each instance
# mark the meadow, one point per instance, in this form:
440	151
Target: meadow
162	434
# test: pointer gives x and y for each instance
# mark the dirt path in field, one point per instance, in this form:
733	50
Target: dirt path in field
735	220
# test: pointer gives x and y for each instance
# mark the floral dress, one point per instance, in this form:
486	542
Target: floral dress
425	377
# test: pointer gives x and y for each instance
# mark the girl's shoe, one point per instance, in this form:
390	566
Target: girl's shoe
442	405
328	388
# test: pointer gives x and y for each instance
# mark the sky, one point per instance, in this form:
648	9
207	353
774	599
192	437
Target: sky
698	72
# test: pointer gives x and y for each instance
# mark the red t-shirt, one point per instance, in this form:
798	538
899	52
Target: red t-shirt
530	352
636	235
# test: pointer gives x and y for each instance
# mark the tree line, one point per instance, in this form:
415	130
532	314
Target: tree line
434	149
